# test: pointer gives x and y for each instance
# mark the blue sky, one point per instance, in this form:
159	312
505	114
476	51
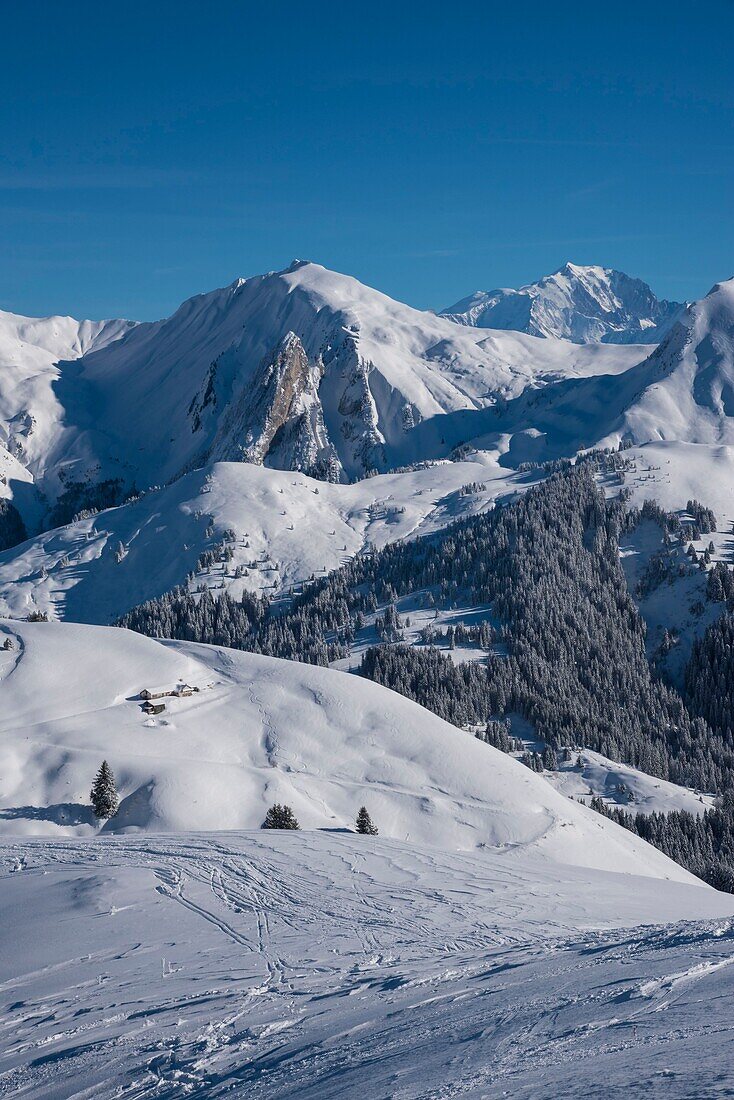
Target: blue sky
152	151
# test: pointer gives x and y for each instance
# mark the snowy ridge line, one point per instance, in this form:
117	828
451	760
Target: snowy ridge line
583	304
301	369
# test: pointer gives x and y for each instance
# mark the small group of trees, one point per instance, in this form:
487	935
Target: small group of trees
105	803
282	817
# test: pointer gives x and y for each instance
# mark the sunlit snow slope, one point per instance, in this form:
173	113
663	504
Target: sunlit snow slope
319	965
286	527
683	392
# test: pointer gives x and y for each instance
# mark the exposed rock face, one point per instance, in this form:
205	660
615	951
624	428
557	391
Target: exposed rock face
277	419
353	392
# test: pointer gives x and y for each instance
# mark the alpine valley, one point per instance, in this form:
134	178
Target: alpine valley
397	648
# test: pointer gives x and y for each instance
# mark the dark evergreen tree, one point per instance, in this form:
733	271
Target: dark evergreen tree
704	844
280	817
565	648
12	528
364	823
571	657
103	795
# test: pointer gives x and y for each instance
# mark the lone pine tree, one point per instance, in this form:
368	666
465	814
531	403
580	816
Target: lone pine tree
103	795
365	824
280	817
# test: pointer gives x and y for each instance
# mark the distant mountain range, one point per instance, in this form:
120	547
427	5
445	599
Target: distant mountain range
311	371
582	304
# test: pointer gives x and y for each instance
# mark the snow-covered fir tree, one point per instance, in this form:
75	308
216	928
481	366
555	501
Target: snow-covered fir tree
280	817
103	794
365	824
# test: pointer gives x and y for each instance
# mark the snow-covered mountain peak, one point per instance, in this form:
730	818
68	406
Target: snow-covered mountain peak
303	368
582	303
683	392
54	338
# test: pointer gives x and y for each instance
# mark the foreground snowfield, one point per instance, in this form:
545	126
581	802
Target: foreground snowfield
476	947
322	964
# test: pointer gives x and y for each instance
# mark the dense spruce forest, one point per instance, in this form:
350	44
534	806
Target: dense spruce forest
12	528
710	677
704	845
571	657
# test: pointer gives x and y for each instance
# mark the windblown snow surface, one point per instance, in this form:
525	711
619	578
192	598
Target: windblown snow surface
477	946
323	964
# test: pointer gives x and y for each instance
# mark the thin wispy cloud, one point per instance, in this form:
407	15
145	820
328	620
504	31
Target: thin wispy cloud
107	178
591	189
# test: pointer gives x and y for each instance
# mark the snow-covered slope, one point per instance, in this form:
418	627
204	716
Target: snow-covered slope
582	304
324	966
683	391
31	350
304	369
281	528
624	786
262	730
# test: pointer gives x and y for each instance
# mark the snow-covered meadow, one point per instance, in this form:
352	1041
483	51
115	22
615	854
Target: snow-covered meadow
496	938
287	527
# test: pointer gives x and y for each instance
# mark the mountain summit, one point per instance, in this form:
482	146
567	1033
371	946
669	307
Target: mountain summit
302	369
583	304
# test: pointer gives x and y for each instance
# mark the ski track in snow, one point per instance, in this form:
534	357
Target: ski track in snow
329	965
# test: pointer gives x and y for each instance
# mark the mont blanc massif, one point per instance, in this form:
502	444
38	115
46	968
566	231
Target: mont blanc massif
367	682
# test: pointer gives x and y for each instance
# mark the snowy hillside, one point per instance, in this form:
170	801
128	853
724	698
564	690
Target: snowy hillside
301	369
324	966
683	392
31	350
582	304
589	774
31	342
280	530
687	384
259	731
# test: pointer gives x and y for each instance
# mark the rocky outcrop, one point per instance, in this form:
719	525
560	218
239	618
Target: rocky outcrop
277	419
